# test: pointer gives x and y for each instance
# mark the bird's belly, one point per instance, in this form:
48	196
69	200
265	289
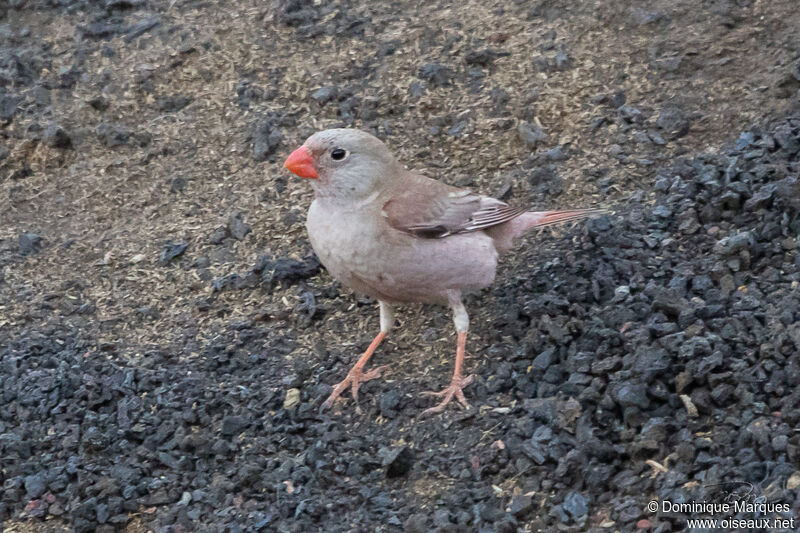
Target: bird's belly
396	267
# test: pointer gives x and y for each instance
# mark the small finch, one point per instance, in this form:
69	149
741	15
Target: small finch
401	237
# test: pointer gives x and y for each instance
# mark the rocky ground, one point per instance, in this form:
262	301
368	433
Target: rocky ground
166	334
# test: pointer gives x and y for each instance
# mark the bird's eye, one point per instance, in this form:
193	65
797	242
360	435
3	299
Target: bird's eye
337	154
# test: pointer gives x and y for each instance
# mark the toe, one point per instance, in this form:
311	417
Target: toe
432	411
327	403
462	400
374	373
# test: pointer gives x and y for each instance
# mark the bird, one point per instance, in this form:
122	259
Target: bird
400	237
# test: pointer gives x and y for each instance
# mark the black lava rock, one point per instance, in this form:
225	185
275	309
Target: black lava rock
113	135
8	106
576	505
234	424
56	137
172	250
323	95
171	104
29	243
237	227
35	485
266	139
398	462
484	58
531	134
435	74
673	123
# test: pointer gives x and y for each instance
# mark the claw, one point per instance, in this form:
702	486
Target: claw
356	376
454	390
354	379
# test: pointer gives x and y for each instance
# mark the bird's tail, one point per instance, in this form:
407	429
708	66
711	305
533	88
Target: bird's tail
505	234
541	219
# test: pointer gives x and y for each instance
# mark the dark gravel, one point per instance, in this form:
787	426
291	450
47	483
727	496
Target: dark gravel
701	303
164	349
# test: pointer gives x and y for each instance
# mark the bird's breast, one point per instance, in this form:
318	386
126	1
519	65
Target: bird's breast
347	243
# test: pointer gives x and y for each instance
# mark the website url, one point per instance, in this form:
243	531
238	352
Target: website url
734	523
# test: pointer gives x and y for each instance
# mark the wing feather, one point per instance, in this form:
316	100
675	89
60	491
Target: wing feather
431	209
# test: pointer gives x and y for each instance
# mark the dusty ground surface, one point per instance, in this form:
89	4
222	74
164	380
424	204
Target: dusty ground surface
159	302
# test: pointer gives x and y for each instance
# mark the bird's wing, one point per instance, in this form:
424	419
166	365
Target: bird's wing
431	209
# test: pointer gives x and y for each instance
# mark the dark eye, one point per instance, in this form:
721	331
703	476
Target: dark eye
337	154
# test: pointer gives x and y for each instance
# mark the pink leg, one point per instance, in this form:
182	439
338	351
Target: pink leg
457	383
356	376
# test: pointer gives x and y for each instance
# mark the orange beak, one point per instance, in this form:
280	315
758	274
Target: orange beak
301	162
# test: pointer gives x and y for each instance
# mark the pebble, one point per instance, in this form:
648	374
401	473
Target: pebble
531	134
292	398
56	137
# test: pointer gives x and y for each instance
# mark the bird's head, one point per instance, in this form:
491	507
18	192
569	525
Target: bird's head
346	164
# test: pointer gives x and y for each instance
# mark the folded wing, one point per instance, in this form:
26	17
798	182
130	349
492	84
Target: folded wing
431	209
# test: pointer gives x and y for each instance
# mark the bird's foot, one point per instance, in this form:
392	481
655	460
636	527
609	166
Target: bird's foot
454	390
354	378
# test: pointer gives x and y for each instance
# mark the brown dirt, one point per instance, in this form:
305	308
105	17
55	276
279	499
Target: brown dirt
106	213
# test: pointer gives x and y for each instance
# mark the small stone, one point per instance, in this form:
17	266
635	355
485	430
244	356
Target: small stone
29	243
8	107
417	523
673	123
436	74
794	481
173	250
556	154
576	504
237	227
218	235
102	513
234	424
113	135
56	137
531	134
544	360
99	103
632	395
398	462
416	89
323	95
668	64
292	398
171	104
779	443
35	486
691	409
177	185
159	497
484	58
562	60
521	504
266	139
389	403
621	293
617	99
142	27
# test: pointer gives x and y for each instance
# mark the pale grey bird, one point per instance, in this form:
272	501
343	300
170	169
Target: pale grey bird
401	237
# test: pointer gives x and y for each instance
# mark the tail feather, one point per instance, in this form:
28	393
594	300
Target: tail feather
540	219
504	234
